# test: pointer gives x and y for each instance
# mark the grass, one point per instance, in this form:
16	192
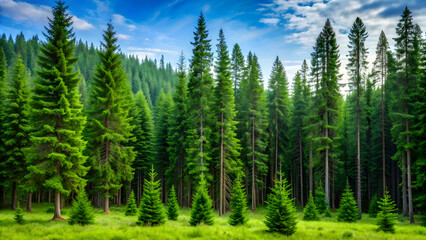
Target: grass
118	226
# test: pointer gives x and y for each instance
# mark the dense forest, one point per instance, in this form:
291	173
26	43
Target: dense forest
77	117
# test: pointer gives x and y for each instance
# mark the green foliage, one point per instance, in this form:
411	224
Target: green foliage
310	212
238	204
374	207
109	128
172	205
151	209
387	217
348	210
237	67
320	199
281	212
55	158
82	212
327	212
202	205
19	216
131	207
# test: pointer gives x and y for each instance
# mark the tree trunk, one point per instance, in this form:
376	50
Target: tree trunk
253	178
29	201
404	186
383	142
106	203
189	193
49	196
311	182
358	148
410	195
222	180
119	198
327	184
14	195
57	207
301	166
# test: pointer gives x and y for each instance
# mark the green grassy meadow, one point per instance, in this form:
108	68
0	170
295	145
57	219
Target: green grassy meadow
118	226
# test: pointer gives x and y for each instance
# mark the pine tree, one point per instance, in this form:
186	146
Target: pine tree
200	89
172	205
281	212
131	207
225	145
3	68
320	199
373	208
151	209
202	205
82	212
238	204
108	128
19	216
279	116
177	126
386	217
15	130
237	67
348	210
356	66
55	155
310	212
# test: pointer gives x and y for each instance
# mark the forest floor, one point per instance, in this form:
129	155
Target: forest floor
118	226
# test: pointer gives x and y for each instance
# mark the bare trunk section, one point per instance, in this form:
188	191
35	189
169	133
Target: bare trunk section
57	207
410	195
301	166
404	186
29	201
358	153
253	178
383	138
222	180
106	204
327	184
311	183
14	195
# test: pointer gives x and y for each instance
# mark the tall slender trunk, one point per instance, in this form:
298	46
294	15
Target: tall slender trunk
57	207
410	195
189	193
311	182
180	188
383	136
119	198
29	201
358	143
106	203
301	166
14	195
222	180
327	184
253	178
49	196
404	186
276	146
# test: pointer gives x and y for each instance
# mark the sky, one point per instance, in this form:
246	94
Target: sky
268	28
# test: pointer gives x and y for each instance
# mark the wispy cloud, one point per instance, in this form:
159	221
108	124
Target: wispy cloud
153	50
121	20
123	36
270	21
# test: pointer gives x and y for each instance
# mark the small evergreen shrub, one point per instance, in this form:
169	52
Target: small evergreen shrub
348	210
281	212
172	205
238	204
327	212
310	212
320	199
201	206
386	217
131	208
19	216
151	210
82	212
373	209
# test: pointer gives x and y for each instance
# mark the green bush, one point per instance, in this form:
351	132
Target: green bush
201	206
172	205
373	209
348	210
131	208
386	217
310	212
320	199
238	204
82	212
19	216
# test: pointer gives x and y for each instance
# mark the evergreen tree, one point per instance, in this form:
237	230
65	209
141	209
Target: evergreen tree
225	145
55	155
281	212
172	205
320	199
238	204
131	207
327	212
3	68
356	66
373	208
237	67
200	86
151	209
108	128
82	212
15	131
348	210
279	116
202	205
19	216
310	212
177	126
386	217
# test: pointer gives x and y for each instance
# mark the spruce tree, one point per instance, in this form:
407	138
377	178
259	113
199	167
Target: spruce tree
387	216
108	128
82	212
237	67
131	207
3	68
279	116
151	209
310	212
172	205
348	210
373	208
281	212
320	199
202	211
15	130
55	155
225	143
238	204
19	216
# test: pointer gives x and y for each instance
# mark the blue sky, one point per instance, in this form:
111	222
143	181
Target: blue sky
269	28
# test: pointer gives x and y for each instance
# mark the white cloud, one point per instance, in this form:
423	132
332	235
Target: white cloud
173	3
270	21
34	14
122	21
153	50
141	55
123	36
